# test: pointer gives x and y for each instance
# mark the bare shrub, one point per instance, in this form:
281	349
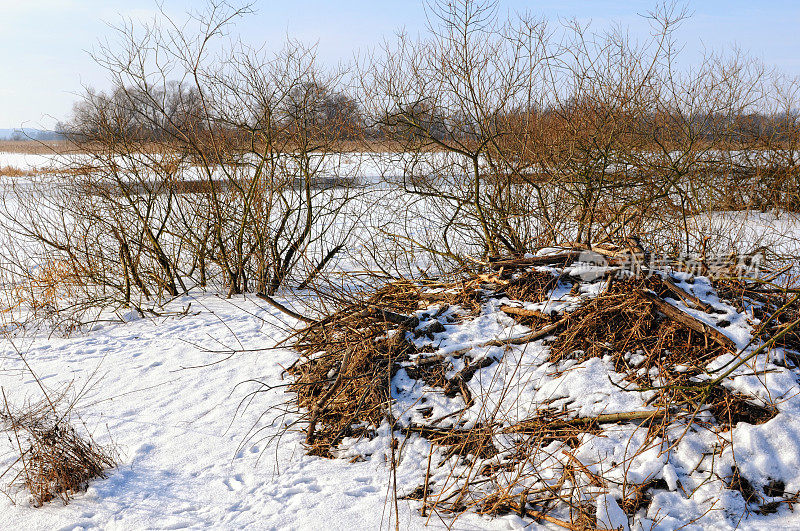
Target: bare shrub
518	135
444	100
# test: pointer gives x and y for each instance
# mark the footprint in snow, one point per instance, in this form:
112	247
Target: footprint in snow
144	449
234	483
369	489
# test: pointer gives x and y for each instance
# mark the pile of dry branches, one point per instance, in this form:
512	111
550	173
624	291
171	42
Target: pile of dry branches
347	382
53	459
343	380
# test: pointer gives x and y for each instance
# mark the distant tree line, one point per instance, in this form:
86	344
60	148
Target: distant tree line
170	113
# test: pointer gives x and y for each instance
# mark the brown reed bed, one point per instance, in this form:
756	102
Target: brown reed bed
13	171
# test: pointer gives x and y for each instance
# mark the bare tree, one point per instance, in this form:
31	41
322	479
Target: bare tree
208	164
451	94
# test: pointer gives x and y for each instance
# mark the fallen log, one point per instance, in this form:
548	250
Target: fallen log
430	360
546	517
686	296
520	340
527	338
535	424
611	253
390	317
516	263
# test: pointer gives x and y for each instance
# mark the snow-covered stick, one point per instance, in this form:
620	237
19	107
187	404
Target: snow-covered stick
690	322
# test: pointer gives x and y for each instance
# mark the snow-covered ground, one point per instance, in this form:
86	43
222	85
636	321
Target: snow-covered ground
185	461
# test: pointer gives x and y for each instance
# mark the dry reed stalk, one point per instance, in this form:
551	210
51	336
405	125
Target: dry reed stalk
54	460
13	171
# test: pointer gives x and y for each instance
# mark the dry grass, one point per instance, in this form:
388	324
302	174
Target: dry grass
54	460
55	281
13	171
52	295
37	147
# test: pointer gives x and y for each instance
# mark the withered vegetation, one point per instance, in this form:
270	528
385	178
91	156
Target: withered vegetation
54	459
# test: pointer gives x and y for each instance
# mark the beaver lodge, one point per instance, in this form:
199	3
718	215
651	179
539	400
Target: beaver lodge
565	390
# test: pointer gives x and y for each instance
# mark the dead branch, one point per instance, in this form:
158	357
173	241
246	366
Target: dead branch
688	321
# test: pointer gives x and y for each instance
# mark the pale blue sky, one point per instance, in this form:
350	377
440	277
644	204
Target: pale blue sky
44	43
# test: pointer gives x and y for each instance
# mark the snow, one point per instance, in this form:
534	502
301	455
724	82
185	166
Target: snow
609	514
185	459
